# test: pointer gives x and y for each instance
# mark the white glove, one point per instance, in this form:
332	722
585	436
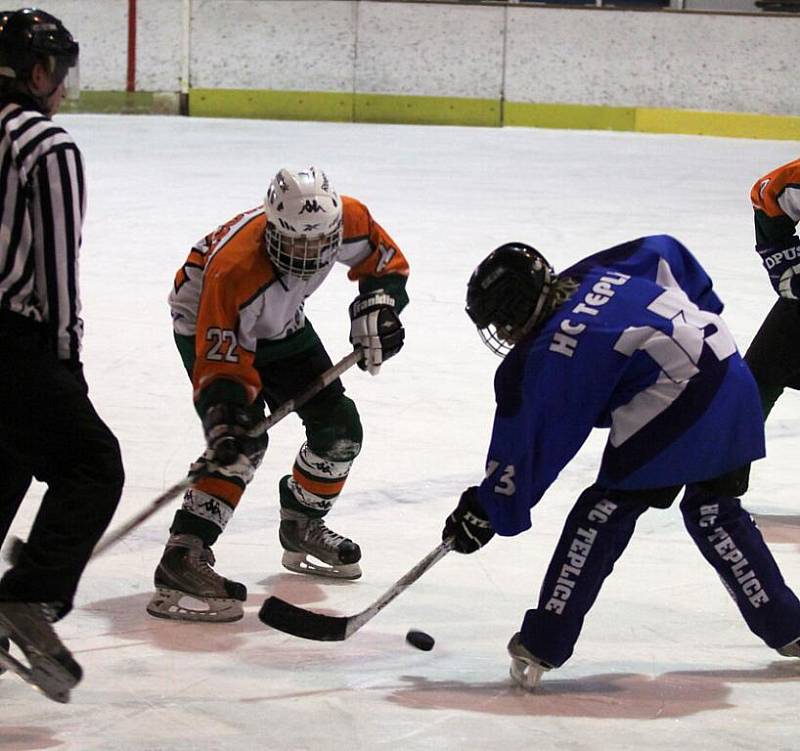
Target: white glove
375	327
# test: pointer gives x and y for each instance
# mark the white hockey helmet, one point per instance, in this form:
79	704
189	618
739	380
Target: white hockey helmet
304	221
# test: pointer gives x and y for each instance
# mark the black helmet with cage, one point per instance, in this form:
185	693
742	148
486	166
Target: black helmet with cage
509	294
29	36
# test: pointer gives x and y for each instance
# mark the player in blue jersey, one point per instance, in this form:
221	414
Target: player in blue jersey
628	339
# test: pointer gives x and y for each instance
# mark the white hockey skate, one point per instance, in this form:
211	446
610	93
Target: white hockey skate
312	548
188	588
526	670
50	668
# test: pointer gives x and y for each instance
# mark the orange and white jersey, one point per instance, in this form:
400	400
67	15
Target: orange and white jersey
778	192
229	295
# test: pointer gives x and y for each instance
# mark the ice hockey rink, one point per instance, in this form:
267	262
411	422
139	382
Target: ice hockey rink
664	662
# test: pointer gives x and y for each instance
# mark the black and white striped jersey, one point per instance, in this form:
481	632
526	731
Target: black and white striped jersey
42	204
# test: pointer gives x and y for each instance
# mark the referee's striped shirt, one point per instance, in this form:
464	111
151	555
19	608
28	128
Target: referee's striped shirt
42	204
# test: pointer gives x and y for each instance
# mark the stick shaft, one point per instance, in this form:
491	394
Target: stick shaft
400	586
170	493
318	384
322	381
307	624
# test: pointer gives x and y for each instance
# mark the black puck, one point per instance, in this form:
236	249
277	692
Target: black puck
420	640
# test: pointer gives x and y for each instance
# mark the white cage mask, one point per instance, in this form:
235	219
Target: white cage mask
304	221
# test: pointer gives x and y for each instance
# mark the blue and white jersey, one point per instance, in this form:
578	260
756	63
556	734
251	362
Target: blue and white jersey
639	349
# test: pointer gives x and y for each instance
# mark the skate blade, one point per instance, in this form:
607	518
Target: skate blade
792	649
179	606
526	671
46	675
525	674
304	563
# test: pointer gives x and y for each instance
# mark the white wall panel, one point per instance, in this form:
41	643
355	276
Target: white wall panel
430	50
101	28
158	45
718	62
683	60
273	44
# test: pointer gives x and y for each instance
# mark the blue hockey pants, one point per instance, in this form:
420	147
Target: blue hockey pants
596	533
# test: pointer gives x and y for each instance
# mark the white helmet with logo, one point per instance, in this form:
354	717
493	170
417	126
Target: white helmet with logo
304	221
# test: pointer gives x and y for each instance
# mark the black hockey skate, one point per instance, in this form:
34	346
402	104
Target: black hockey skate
50	667
188	588
310	547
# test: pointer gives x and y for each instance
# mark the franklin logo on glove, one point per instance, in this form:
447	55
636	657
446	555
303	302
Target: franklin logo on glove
375	327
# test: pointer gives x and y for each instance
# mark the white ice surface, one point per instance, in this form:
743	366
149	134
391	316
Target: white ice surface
664	661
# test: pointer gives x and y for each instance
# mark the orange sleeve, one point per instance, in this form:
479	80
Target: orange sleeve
385	257
199	252
234	277
196	259
767	190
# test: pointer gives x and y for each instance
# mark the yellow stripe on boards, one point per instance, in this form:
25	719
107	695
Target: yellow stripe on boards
366	108
574	116
423	110
124	102
730	124
271	105
653	120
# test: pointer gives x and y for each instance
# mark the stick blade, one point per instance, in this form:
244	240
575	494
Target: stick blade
306	624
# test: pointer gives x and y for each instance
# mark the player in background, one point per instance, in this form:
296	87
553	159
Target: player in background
48	427
237	310
628	339
774	354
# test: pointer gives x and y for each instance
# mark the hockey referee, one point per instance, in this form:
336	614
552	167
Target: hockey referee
48	427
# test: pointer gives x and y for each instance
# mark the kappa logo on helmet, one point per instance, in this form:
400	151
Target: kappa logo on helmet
311	207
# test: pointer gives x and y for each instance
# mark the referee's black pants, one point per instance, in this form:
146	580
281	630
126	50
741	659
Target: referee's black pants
50	430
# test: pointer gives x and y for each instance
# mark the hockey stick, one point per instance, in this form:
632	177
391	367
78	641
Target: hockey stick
289	406
307	624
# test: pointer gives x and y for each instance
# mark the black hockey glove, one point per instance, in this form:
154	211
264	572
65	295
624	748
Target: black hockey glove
468	525
233	430
375	327
782	263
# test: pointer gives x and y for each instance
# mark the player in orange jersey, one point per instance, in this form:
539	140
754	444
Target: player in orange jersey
774	354
237	310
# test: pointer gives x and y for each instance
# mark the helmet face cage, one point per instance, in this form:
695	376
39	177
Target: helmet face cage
304	222
506	295
502	334
302	256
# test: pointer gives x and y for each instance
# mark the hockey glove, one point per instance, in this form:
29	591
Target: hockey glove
468	525
233	431
375	327
782	263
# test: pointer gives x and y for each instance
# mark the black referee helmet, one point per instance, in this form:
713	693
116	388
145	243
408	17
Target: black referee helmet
29	36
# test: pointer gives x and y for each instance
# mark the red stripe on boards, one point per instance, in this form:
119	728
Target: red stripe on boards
131	77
